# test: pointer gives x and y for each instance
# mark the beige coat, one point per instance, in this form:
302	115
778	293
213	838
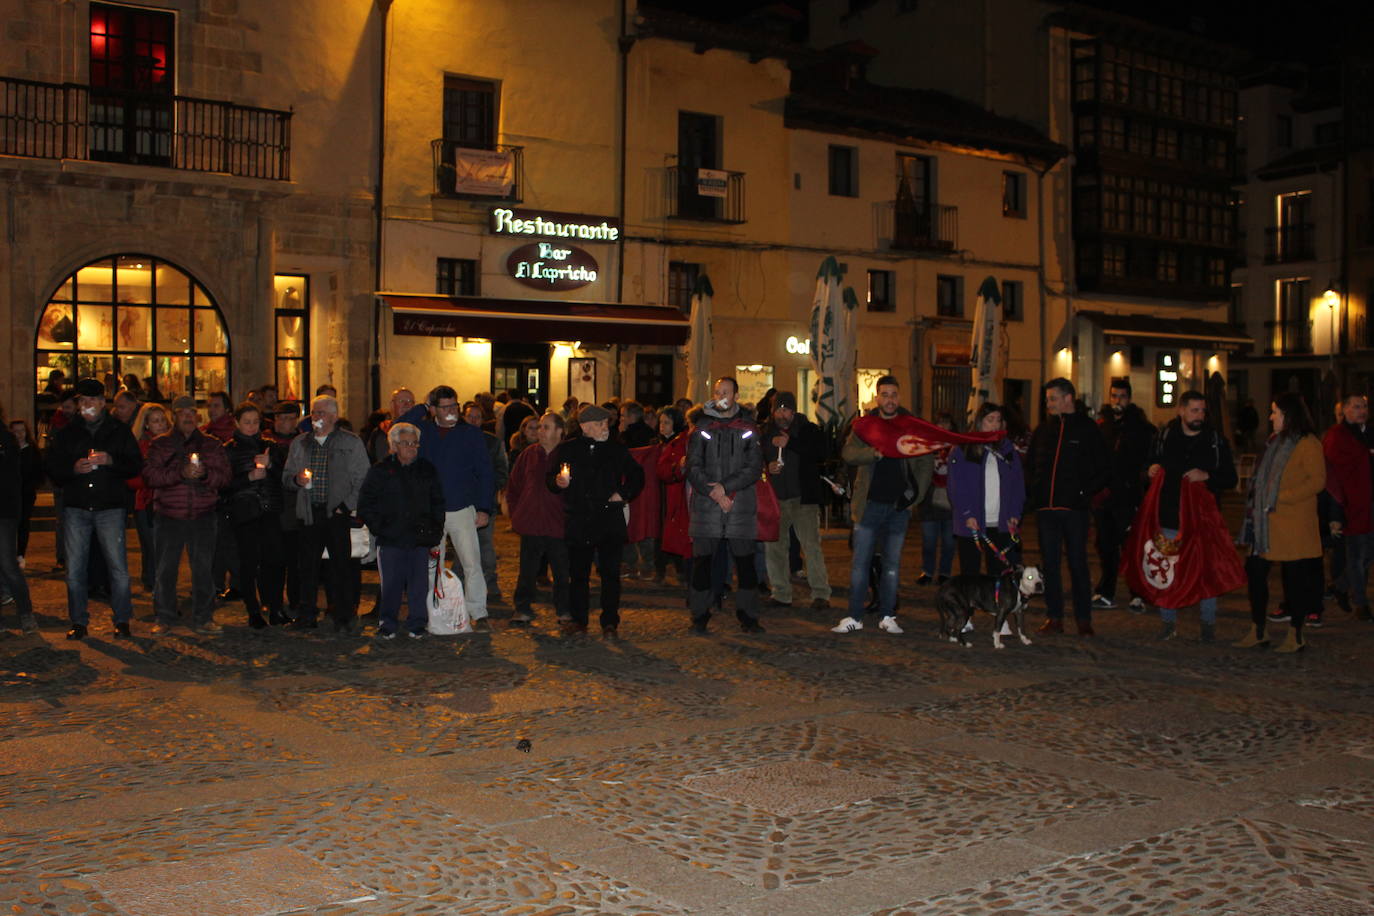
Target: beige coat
1293	528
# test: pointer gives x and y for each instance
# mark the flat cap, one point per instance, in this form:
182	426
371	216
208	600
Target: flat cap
592	413
184	402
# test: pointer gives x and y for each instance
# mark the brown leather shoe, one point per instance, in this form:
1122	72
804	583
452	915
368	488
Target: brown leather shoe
1051	625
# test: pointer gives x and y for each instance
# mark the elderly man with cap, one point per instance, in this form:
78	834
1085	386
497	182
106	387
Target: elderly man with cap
597	479
794	448
186	469
88	462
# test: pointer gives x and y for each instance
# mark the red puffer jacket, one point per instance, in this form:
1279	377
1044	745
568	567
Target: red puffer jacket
173	495
676	519
1348	476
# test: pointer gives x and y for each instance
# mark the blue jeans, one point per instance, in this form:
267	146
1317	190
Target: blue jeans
882	524
106	528
937	536
1207	607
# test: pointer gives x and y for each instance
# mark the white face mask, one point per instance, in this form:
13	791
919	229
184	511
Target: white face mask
90	413
318	424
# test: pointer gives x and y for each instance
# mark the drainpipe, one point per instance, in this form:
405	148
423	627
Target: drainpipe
625	42
375	381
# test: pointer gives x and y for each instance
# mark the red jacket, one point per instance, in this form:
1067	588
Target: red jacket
535	510
143	495
1349	479
221	429
676	520
646	509
173	495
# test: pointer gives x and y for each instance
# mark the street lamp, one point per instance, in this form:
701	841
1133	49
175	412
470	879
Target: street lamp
1332	298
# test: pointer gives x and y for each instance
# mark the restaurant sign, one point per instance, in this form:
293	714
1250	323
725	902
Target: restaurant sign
552	266
550	225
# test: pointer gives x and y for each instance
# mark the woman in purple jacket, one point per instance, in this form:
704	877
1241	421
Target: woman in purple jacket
987	491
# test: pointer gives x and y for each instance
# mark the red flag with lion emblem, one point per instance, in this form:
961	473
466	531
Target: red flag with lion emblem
1200	563
906	436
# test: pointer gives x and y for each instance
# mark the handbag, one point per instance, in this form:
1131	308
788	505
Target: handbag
245	506
448	614
363	546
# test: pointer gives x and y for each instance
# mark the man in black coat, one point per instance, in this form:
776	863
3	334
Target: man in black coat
1066	467
1128	437
89	461
12	580
794	448
402	502
597	479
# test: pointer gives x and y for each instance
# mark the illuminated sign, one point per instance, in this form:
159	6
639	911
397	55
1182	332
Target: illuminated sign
1166	379
546	224
799	347
547	265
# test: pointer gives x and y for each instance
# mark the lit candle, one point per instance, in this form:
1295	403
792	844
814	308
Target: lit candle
195	459
260	461
566	471
309	482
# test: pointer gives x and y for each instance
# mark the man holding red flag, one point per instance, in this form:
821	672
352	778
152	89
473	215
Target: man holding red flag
1180	552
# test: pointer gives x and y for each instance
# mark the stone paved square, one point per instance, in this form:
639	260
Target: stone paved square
42	752
790	788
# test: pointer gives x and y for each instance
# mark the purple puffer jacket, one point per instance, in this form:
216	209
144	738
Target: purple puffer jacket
966	494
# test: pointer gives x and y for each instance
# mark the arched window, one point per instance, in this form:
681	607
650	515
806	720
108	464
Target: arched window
131	320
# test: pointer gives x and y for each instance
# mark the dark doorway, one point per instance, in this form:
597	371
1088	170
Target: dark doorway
698	147
523	368
654	379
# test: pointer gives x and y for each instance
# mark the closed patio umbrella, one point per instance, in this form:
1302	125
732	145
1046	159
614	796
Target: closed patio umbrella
699	342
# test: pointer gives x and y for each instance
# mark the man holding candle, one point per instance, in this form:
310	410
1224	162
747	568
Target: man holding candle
89	461
597	479
185	469
795	448
324	472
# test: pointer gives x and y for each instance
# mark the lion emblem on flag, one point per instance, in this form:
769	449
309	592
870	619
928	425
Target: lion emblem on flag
1157	566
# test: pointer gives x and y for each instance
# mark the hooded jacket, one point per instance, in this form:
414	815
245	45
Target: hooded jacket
968	489
724	448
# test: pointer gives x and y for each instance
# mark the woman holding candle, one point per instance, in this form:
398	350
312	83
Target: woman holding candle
253	504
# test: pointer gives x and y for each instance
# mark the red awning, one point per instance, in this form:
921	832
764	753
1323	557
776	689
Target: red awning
534	320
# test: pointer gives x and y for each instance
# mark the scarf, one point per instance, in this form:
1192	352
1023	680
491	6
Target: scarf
1264	495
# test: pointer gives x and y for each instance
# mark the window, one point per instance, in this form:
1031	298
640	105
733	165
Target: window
844	171
1013	308
949	296
292	312
1294	324
1014	194
1283	131
682	280
1166	265
880	297
132	83
1235	312
456	277
470	112
133	315
1114	260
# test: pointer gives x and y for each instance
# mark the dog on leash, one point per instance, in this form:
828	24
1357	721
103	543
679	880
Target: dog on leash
1003	596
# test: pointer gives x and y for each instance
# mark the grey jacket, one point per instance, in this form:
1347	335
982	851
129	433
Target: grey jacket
725	450
348	466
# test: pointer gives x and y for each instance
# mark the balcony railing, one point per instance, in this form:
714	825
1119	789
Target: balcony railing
709	195
71	121
1286	244
923	226
483	173
1292	337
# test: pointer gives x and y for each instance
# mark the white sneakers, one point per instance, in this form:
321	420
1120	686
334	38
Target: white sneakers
889	625
849	625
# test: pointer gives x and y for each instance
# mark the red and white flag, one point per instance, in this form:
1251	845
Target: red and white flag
906	436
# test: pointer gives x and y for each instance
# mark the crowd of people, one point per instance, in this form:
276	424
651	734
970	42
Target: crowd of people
269	505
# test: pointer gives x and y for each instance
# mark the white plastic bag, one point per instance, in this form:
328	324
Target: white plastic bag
448	613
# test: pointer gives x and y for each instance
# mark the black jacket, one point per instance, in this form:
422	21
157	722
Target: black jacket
242	452
805	450
1178	454
1128	439
105	487
1067	463
403	504
599	469
11	476
638	435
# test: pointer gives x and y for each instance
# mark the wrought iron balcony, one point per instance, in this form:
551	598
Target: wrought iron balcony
710	195
483	173
1289	338
71	121
924	226
1287	244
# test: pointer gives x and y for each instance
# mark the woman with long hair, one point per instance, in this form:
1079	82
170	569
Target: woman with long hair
1281	524
937	518
524	437
987	492
672	424
152	421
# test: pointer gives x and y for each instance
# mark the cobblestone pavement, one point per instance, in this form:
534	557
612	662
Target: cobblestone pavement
794	771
